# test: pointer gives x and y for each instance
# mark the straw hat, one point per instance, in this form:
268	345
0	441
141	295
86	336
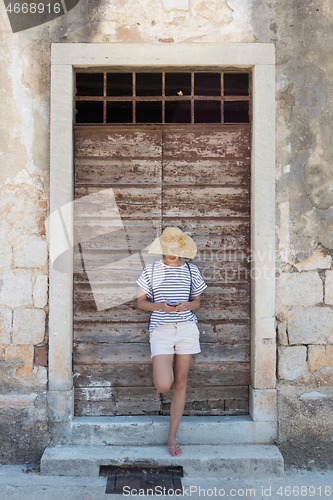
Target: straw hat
174	242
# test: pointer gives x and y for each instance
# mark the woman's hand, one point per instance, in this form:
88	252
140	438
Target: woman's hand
167	307
191	306
181	306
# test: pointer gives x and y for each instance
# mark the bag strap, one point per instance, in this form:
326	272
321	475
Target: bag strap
189	268
152	281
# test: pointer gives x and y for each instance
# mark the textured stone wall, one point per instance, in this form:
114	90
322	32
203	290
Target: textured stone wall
302	34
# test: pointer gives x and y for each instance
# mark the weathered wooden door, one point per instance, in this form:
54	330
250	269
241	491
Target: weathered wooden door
129	185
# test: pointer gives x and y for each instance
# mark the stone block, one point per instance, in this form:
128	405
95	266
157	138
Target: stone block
242	462
17	401
30	251
282	333
23	428
305	425
39	377
28	326
41	355
329	287
316	261
292	362
16	290
23	354
5	325
300	289
21	213
263	404
5	250
310	325
60	405
320	356
40	288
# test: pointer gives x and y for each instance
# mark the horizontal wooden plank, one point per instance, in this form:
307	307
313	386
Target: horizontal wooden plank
112	393
206	172
214	353
107	354
108	143
202	201
98	233
215	234
116	268
108	332
106	268
229	302
219	373
115	375
132	202
116	401
218	408
113	171
216	393
211	400
85	309
235	404
140	374
212	236
233	143
99	298
100	331
105	255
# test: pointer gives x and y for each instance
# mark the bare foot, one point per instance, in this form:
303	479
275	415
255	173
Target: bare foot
174	448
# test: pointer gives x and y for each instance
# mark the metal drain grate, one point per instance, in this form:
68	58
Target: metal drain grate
142	480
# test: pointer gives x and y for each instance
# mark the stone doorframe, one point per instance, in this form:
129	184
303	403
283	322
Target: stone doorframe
260	59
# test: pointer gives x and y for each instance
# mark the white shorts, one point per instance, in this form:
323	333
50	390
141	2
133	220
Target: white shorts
175	338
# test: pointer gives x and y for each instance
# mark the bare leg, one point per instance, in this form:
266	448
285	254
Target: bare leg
163	372
181	368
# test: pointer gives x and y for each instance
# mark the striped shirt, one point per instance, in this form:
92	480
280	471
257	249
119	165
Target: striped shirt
171	284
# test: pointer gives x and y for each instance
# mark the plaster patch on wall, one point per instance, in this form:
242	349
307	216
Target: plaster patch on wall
215	12
283	233
241	10
318	175
24	178
26	106
311	88
316	261
313	395
323	222
129	34
203	20
175	4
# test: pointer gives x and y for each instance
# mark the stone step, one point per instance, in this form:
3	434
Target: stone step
198	461
153	430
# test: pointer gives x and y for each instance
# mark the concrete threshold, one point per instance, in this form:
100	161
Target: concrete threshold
153	430
222	461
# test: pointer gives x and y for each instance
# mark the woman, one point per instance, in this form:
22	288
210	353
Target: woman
170	288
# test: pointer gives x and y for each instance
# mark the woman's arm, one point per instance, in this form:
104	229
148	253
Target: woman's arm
146	305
